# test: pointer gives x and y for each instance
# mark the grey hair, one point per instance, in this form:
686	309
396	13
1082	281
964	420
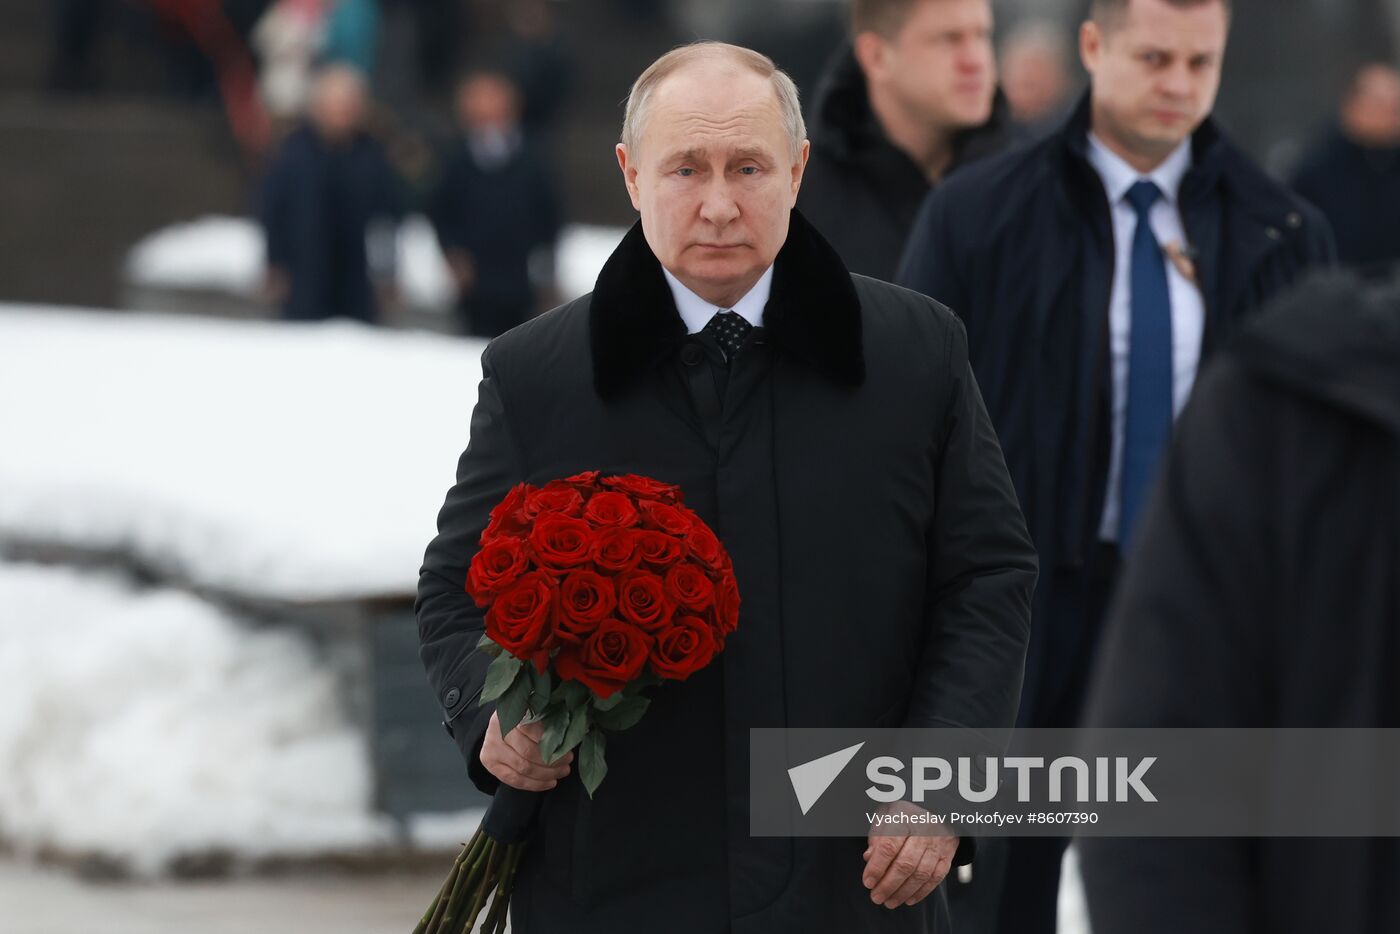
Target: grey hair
639	100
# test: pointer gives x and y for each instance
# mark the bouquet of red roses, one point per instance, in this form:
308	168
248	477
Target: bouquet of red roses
595	588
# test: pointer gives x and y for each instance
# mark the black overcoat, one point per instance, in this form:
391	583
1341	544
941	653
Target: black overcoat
1267	594
1020	246
883	563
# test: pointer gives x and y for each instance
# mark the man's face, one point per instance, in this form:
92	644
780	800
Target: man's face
1155	71
1371	115
488	102
940	65
714	178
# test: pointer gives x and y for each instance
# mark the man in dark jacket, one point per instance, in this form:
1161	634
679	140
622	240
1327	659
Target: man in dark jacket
828	427
1353	176
328	191
1085	327
912	99
1264	594
494	207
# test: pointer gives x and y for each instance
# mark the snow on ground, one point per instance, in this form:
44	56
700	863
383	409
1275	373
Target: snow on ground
143	724
226	254
273	460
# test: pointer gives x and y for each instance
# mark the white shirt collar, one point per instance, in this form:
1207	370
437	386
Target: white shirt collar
696	312
1118	176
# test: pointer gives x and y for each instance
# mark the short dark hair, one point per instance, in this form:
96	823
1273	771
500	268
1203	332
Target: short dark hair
886	17
1107	13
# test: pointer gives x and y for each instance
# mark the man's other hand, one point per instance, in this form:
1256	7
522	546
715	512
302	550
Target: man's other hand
902	869
516	759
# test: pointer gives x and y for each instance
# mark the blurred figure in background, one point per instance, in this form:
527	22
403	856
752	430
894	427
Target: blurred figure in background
288	38
912	99
494	208
329	191
1035	75
1264	593
1353	175
1094	269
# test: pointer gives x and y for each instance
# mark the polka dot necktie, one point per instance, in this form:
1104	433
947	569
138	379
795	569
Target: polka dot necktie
728	330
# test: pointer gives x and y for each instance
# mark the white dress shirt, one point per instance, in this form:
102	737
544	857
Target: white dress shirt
1188	308
696	312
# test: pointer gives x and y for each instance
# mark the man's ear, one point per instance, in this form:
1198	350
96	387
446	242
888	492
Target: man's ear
629	175
799	167
1090	44
869	48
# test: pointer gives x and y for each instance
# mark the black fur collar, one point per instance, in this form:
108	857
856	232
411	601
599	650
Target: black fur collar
813	313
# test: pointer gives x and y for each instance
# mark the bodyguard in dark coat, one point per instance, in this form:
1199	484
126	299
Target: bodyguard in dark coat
328	189
1353	174
907	104
1085	328
495	206
841	452
1264	593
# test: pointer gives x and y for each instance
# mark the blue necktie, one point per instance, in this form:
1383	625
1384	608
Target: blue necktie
1149	419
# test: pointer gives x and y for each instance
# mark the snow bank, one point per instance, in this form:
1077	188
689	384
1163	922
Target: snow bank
147	724
299	462
226	254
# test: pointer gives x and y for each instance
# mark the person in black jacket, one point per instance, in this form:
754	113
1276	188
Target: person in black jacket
330	207
1265	595
828	428
911	100
1353	175
1086	324
494	207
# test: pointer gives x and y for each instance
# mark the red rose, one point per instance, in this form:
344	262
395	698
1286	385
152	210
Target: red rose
613	655
644	487
642	600
727	604
518	620
585	599
683	648
701	543
667	519
615	550
508	518
584	482
611	509
690	587
659	549
560	542
554	497
498	564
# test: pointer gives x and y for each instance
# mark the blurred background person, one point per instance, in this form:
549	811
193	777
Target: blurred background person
1353	173
288	39
1036	74
908	102
495	207
329	190
1263	594
1094	269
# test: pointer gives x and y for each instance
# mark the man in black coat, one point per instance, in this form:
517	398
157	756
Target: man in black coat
329	190
911	100
1085	327
1353	174
828	427
1264	594
494	207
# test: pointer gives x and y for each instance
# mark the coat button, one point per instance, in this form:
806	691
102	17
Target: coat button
1273	233
451	697
1294	220
692	355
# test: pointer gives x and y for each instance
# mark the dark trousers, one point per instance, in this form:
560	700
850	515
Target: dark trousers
1016	883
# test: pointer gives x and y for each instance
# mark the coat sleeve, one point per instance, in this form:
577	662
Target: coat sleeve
1185	648
929	264
449	621
982	572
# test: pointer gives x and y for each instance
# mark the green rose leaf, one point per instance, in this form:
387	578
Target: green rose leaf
591	767
540	686
571	694
578	726
623	716
500	676
510	710
609	702
488	645
556	724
